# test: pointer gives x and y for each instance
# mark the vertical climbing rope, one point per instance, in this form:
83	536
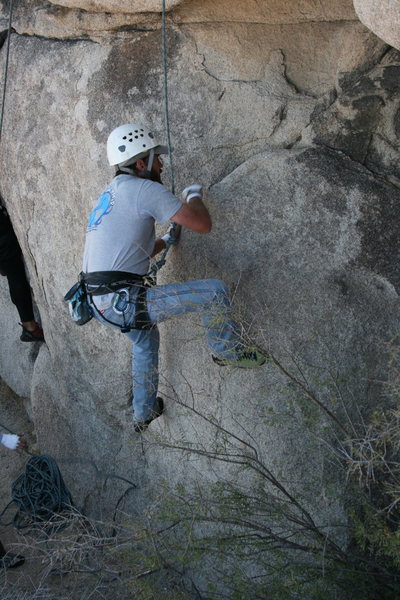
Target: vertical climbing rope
175	231
166	107
6	67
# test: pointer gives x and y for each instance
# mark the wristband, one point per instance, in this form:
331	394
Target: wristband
193	195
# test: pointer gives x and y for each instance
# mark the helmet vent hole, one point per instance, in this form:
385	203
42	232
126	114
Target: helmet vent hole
136	137
124	138
131	140
144	145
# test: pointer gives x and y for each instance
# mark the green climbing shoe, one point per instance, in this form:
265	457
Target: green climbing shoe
248	358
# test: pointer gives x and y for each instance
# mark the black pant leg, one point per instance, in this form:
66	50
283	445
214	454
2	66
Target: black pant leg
20	291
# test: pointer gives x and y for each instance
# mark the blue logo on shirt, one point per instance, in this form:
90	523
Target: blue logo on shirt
104	207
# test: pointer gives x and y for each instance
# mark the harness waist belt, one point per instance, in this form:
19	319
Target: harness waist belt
98	283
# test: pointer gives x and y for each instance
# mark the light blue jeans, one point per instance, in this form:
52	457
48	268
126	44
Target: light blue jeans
209	297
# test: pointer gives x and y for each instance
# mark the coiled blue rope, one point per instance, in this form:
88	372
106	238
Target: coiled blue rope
39	493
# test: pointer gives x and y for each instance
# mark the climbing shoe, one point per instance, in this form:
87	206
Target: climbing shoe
11	561
141	426
248	358
32	336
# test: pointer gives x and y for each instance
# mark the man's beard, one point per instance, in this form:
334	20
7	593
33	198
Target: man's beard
155	176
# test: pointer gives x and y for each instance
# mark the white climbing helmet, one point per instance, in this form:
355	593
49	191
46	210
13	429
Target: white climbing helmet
129	142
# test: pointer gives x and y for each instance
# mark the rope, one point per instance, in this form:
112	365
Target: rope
6	67
166	107
40	493
6	428
151	276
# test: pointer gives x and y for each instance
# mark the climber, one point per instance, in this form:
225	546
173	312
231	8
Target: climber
7	559
12	267
120	240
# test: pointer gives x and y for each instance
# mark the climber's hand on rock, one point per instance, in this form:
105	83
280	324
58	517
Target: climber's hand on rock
192	191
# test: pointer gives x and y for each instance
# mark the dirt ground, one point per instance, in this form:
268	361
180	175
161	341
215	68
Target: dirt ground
80	560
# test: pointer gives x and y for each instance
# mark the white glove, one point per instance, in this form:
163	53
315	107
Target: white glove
191	192
10	440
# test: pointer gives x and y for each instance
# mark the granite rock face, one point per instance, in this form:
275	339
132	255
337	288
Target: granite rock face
383	18
288	113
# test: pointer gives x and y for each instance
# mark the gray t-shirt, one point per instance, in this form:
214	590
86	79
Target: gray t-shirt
120	233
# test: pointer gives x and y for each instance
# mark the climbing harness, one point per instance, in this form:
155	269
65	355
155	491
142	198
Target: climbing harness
6	66
82	305
99	283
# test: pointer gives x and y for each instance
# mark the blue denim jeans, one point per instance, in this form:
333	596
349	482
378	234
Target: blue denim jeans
209	297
